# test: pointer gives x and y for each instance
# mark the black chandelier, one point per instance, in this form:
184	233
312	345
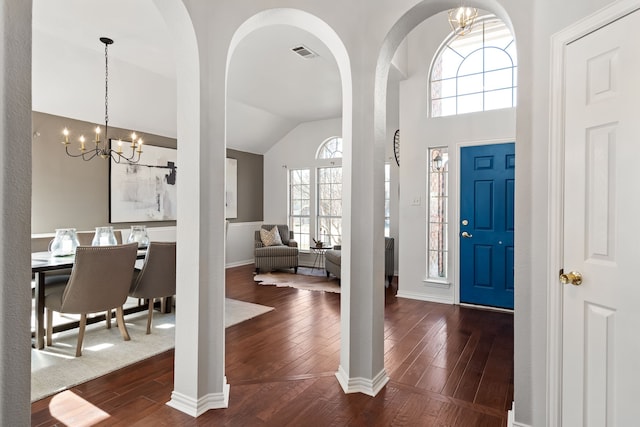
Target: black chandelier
102	147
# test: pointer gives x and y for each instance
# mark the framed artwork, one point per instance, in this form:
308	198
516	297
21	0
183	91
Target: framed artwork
144	191
231	193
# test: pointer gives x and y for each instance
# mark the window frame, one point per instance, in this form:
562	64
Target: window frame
437	239
298	234
513	88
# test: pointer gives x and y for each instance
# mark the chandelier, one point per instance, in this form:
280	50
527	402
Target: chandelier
461	19
102	147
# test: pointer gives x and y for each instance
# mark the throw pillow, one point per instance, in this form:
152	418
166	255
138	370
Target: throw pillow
270	237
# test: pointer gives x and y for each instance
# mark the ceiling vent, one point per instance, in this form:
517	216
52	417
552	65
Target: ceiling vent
304	52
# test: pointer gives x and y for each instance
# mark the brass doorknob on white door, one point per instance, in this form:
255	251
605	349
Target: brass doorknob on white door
574	278
466	235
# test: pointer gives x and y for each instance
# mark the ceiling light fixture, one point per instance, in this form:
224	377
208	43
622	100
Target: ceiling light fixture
462	18
102	147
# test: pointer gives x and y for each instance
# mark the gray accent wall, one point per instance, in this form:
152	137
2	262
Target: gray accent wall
250	187
68	192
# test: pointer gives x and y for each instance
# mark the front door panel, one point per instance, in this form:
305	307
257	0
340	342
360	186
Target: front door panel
486	224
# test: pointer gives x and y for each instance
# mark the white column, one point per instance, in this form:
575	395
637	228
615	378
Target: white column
199	381
15	205
362	299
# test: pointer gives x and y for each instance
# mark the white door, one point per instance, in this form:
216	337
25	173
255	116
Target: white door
601	317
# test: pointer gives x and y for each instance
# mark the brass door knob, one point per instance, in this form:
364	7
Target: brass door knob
574	277
466	235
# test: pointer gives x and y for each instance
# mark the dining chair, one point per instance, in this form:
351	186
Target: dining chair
99	281
85	238
157	278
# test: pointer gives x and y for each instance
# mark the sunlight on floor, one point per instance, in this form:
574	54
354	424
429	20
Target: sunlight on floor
83	414
165	326
99	347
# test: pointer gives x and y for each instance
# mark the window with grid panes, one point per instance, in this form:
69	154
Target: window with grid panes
437	224
300	206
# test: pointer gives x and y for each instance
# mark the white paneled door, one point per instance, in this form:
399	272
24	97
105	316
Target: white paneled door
601	316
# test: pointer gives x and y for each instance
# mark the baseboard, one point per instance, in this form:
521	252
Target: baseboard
197	407
423	297
362	385
511	422
239	263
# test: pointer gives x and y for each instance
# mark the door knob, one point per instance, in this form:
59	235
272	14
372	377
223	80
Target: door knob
574	277
466	235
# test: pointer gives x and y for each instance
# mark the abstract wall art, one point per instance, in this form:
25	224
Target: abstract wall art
144	191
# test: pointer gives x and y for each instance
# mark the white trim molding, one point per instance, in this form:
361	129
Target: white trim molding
423	297
362	385
197	407
559	42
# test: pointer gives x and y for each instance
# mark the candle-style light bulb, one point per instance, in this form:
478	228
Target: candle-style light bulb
140	141
82	143
97	134
65	132
119	146
133	140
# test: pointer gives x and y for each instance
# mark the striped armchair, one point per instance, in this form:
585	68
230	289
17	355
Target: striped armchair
274	257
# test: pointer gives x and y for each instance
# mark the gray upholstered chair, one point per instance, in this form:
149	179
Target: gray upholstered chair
157	279
276	257
333	260
100	281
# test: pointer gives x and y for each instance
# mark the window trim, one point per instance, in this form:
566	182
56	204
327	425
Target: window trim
444	45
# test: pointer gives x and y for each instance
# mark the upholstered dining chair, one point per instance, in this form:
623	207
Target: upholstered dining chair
157	279
99	281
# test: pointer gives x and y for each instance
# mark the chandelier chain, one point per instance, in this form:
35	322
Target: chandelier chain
106	90
102	147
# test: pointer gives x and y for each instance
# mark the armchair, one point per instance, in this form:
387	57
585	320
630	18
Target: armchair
333	260
278	256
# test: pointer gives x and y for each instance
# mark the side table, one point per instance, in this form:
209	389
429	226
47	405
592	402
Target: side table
319	255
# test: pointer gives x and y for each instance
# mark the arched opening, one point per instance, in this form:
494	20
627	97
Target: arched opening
301	22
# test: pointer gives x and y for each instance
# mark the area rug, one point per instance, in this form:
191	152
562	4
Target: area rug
298	281
55	368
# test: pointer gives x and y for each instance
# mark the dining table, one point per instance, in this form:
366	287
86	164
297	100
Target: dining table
43	263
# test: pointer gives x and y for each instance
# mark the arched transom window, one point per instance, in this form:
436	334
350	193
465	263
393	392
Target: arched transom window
330	149
476	71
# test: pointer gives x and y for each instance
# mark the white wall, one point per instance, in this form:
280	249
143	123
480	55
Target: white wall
68	81
296	150
418	133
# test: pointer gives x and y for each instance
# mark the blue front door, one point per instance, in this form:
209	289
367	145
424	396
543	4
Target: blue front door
486	224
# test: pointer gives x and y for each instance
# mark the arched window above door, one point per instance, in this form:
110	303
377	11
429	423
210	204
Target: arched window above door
476	71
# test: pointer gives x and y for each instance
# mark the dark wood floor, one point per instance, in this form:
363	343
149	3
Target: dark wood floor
448	366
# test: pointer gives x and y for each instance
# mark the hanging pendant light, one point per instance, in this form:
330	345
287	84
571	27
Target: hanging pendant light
102	148
462	18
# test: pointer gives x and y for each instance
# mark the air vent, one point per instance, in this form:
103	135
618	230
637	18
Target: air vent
304	52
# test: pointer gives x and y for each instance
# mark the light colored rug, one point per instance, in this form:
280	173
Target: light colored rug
55	368
298	281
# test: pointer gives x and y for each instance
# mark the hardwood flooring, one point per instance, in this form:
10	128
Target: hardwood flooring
448	366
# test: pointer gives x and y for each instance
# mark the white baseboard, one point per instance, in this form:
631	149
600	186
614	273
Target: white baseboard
197	407
510	419
362	385
423	297
239	263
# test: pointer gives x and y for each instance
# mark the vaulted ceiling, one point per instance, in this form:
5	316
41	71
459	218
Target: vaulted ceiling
271	89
